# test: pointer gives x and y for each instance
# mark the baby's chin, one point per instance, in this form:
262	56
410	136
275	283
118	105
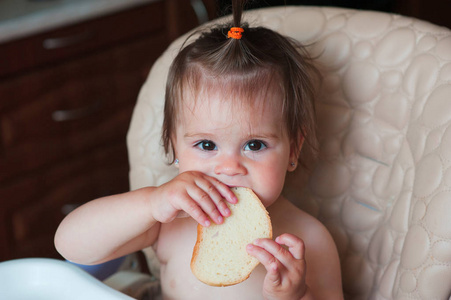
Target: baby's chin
267	203
268	198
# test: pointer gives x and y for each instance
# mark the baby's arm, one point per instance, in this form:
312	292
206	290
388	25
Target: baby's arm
323	264
107	228
113	226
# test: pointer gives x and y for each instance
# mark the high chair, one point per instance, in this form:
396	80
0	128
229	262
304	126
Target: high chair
382	183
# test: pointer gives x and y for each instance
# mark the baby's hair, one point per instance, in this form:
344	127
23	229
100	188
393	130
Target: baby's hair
261	58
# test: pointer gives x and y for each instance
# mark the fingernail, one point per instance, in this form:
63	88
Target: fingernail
227	212
219	220
207	223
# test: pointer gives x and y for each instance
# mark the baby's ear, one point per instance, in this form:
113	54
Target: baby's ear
295	151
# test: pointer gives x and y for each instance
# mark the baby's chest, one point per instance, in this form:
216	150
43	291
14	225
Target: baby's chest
176	240
177	282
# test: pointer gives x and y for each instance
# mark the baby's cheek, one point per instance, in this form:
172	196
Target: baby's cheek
269	187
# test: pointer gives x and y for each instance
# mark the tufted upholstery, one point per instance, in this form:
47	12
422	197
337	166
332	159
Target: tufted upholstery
382	184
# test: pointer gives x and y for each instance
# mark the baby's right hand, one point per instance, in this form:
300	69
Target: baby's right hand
200	196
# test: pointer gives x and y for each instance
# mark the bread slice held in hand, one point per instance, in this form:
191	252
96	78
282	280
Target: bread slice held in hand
219	256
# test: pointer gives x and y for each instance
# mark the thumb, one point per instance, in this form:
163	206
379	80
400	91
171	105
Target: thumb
273	274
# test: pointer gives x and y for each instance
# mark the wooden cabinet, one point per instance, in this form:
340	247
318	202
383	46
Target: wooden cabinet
66	99
434	11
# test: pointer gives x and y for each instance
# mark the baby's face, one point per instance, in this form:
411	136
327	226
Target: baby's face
237	144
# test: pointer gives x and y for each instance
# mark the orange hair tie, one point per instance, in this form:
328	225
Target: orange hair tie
235	33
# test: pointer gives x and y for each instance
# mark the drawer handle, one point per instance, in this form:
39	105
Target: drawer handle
77	113
61	42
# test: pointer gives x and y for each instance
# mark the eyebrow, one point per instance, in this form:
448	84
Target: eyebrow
193	135
249	136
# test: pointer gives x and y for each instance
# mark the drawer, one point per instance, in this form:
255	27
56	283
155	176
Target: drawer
64	111
40	202
77	39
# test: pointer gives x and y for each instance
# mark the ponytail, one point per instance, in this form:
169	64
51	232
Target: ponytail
237	11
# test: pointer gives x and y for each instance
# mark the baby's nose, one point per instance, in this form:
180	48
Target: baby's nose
230	166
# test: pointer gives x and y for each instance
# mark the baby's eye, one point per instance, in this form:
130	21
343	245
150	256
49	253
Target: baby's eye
255	145
206	145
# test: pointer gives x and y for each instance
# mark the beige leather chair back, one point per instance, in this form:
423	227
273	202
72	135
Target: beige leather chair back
382	185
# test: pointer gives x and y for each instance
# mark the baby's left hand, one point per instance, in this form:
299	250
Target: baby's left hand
286	268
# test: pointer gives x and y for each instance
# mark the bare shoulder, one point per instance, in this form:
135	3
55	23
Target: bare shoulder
286	217
323	265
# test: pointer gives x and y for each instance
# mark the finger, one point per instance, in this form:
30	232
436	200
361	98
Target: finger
264	257
212	187
272	266
273	274
295	245
275	249
182	214
224	190
193	209
206	204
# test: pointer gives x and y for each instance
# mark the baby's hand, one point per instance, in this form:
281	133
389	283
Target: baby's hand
286	268
200	196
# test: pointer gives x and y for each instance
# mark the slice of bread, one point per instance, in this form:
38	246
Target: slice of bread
219	256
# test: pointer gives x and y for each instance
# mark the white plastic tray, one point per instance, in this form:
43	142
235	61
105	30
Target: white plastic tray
43	278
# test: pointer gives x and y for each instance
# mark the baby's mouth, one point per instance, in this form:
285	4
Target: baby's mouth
233	186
